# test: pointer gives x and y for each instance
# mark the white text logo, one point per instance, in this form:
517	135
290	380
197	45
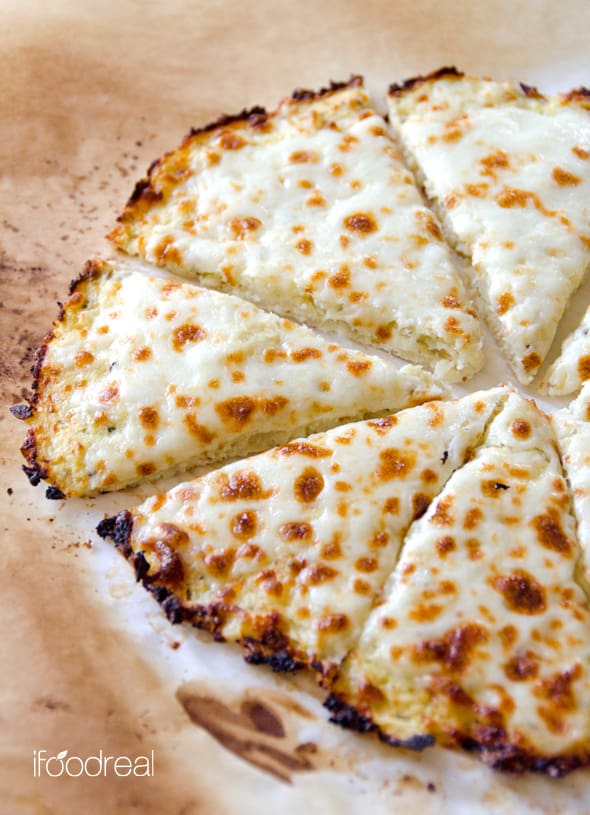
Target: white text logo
93	766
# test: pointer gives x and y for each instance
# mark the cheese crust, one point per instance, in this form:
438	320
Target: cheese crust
142	376
508	171
286	552
310	212
481	640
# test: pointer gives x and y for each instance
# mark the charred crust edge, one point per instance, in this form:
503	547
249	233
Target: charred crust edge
21	412
417	743
305	94
348	716
497	752
396	89
54	493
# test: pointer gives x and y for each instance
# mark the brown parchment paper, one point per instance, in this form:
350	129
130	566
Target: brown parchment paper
90	93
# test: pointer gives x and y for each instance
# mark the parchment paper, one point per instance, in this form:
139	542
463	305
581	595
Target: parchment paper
90	93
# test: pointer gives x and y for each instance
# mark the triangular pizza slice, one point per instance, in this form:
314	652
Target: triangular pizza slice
508	171
286	552
310	212
482	640
572	428
572	367
141	376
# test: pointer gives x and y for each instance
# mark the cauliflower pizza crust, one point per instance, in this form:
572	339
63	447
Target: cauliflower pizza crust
286	551
509	172
310	212
142	376
482	638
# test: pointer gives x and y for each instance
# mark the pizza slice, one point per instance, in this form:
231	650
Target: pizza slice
508	171
572	367
142	376
572	428
310	212
482	640
285	552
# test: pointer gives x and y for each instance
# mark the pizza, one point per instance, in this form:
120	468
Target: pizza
508	171
285	552
435	591
310	212
481	639
572	367
141	376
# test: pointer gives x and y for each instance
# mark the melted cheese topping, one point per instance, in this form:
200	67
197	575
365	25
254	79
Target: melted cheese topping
297	542
142	375
510	175
484	631
572	368
310	212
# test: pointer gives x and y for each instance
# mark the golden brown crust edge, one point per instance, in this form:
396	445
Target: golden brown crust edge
34	469
145	194
579	96
491	744
266	645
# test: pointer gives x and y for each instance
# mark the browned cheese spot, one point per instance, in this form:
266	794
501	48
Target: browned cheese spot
493	162
472	518
296	531
521	429
433	228
361	223
272	406
145	468
454	649
564	178
451	201
333	623
303	448
320	573
492	488
395	463
332	550
231	141
584	367
450	301
383	332
304	246
244	525
580	152
149	417
166	251
557	689
521	592
83	358
524	665
316	200
510	197
340	279
550	534
142	354
442	515
243	227
244	486
358	367
508	636
304	157
219	563
361	587
383	425
303	354
445	545
391	506
504	303
236	412
366	564
531	361
477	190
425	612
198	430
187	333
308	485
